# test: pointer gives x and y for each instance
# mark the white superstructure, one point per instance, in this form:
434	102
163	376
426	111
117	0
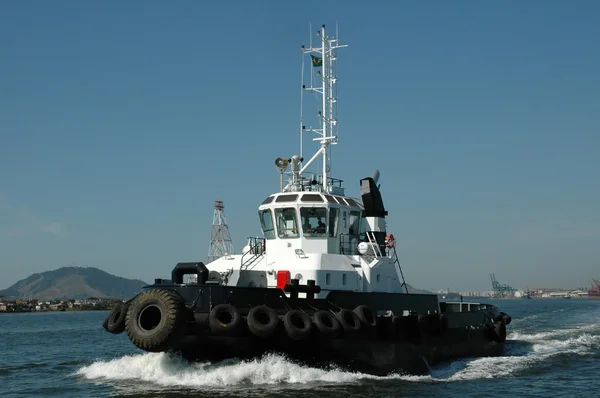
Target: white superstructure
311	230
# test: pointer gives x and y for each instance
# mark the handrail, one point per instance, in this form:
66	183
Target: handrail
257	250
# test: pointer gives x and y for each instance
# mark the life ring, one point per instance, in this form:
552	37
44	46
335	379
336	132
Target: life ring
263	321
224	319
327	323
155	321
115	322
390	241
297	325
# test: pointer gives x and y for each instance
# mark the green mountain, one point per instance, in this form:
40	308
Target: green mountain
73	283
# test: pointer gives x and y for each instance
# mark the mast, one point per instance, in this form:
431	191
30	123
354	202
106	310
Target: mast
324	57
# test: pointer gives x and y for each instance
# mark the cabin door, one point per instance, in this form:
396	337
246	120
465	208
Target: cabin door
360	280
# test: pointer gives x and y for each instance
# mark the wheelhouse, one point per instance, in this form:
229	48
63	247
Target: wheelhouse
312	222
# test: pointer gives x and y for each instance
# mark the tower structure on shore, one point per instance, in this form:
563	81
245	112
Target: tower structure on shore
220	238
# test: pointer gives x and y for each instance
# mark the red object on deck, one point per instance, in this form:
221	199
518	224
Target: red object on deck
283	278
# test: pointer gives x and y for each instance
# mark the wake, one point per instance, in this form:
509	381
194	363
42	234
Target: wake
162	370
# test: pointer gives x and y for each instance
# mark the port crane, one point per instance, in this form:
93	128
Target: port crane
501	290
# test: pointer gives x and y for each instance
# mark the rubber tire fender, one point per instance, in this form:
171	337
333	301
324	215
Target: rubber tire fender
155	320
327	324
105	323
506	319
424	326
366	316
499	332
115	322
349	321
224	319
297	325
256	318
443	323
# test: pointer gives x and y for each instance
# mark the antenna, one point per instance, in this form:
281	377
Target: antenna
220	238
323	60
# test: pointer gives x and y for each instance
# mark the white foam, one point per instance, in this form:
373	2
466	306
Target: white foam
168	370
163	370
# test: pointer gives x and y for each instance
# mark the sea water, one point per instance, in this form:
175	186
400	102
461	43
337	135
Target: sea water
553	348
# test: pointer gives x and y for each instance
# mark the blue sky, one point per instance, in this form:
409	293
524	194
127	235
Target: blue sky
122	122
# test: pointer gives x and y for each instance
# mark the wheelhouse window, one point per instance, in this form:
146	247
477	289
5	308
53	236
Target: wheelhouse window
313	221
333	222
286	198
354	228
287	223
311	197
266	223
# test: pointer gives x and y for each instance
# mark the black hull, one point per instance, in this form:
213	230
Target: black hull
377	333
375	357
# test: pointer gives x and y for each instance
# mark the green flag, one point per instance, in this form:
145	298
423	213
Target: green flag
316	61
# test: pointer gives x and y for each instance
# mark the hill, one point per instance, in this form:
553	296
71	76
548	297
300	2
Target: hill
73	283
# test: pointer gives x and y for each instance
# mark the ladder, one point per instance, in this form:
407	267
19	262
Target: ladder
394	256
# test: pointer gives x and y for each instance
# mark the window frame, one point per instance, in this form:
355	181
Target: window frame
262	224
278	212
320	209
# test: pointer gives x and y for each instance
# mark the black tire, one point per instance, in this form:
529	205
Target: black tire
224	319
263	321
366	316
505	318
155	320
327	324
424	327
499	332
443	323
115	322
349	321
297	325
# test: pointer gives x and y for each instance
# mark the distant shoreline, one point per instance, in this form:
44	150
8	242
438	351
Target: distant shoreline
65	310
15	306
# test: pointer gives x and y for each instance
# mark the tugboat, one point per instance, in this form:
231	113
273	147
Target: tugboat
323	285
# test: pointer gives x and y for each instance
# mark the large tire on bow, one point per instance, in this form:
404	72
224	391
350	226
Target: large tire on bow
263	321
115	322
443	324
499	332
505	318
155	320
423	325
496	332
